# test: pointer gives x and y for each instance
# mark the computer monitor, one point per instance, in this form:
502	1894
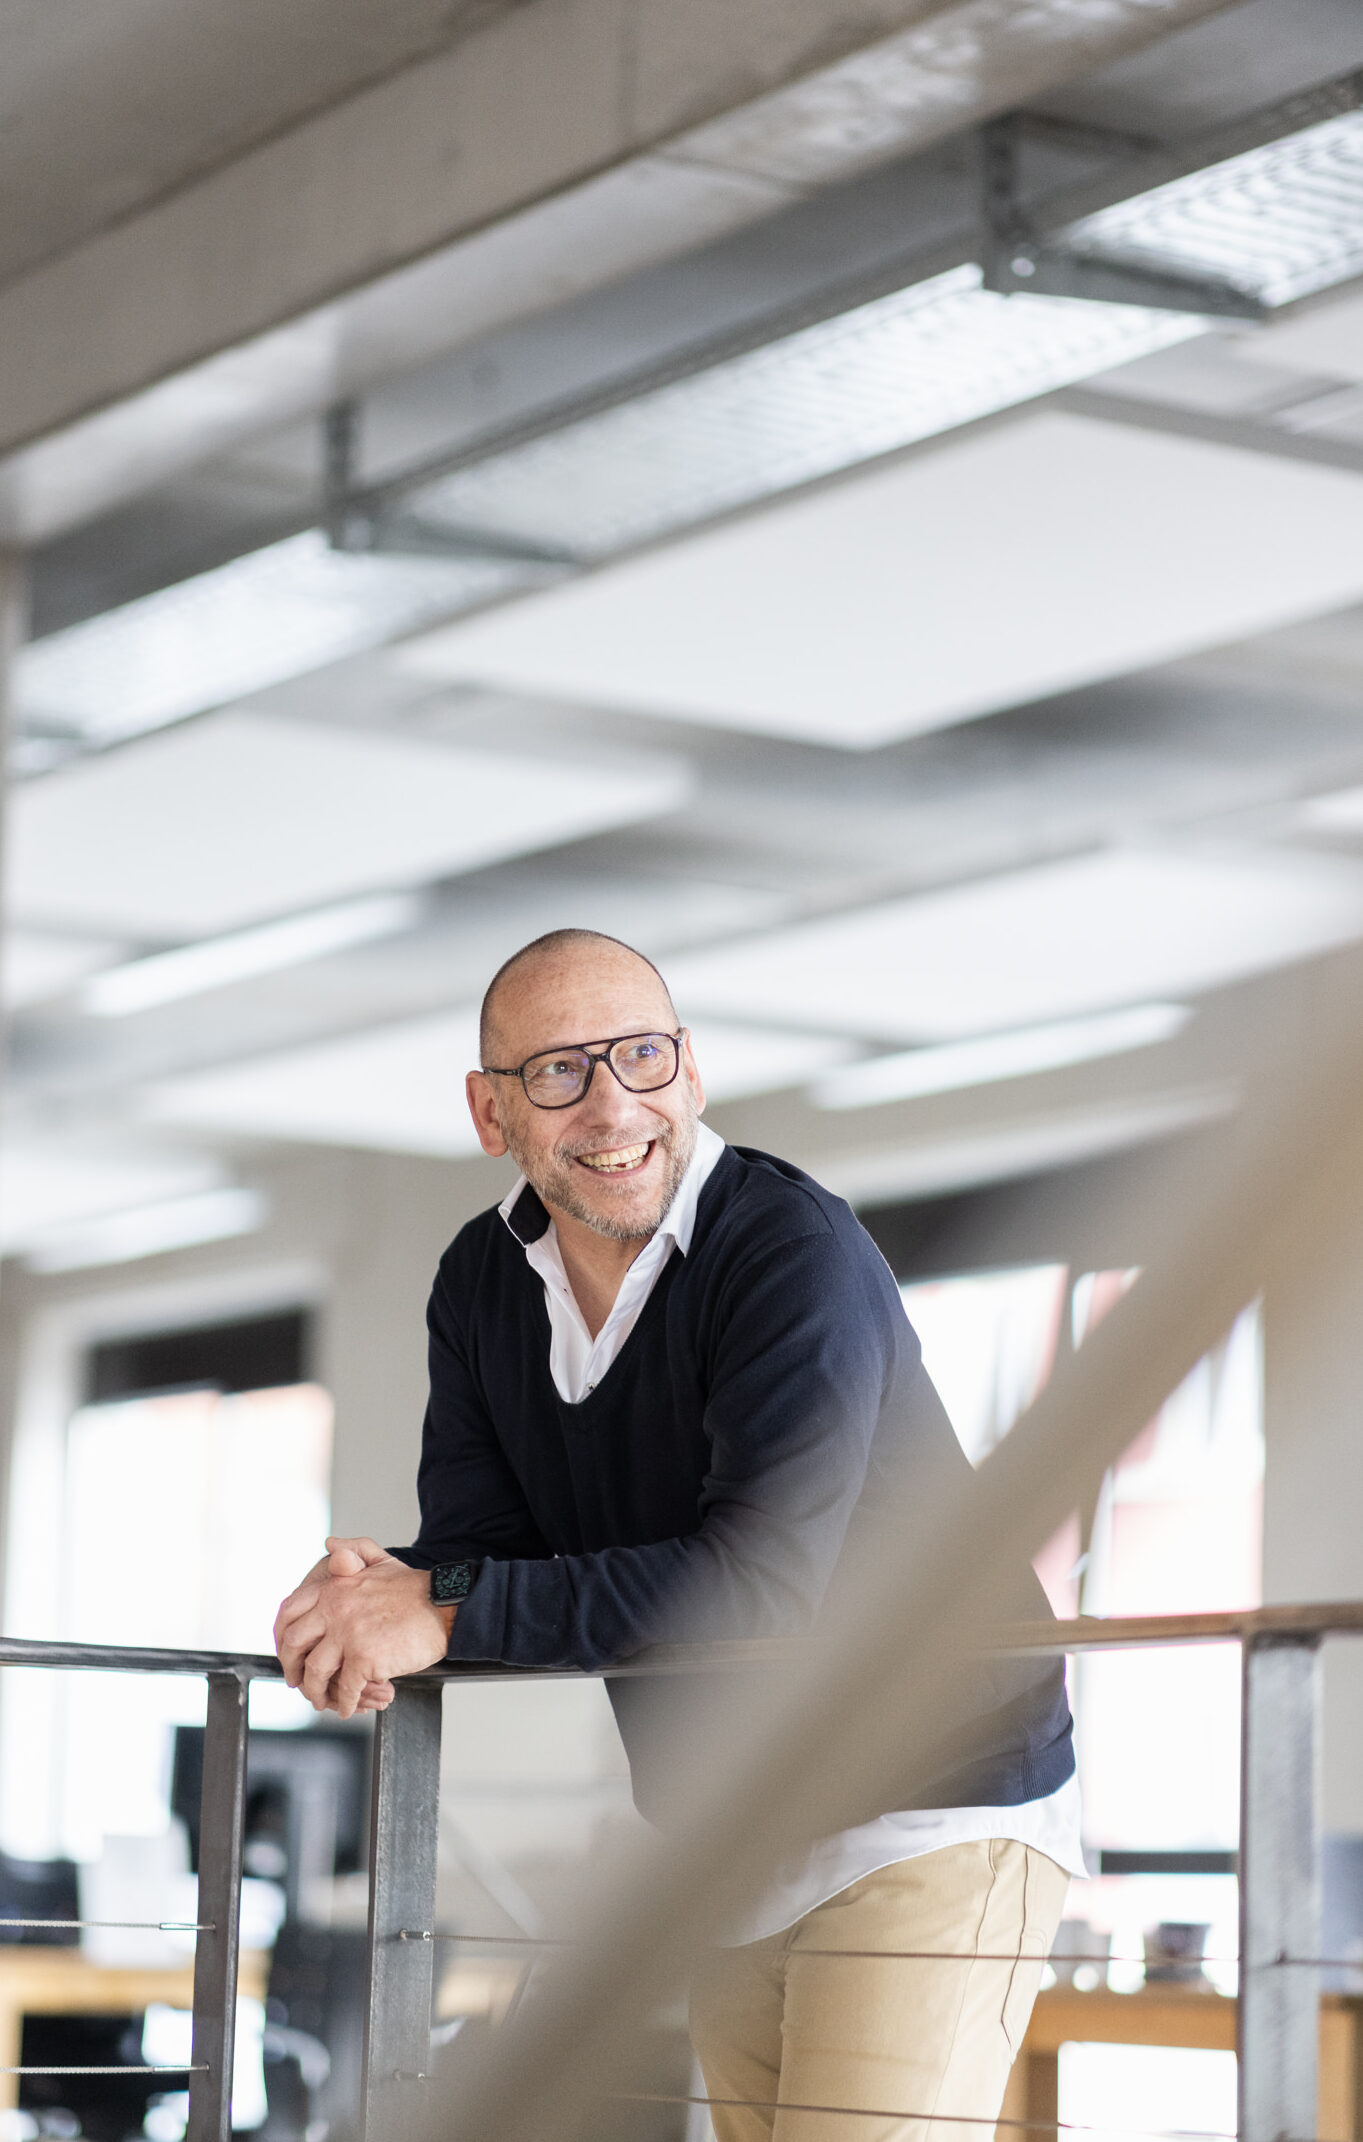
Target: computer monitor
38	1889
307	1803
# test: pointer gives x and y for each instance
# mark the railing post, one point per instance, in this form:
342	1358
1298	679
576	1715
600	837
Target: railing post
404	1809
1278	2022
222	1815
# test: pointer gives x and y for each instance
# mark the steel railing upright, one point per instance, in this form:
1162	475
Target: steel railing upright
222	1820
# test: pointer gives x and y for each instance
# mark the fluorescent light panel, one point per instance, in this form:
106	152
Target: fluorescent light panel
239	818
191	970
1281	220
901	368
957	1065
1056	942
271	615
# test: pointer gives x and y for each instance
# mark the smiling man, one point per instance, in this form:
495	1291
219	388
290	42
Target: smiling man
669	1378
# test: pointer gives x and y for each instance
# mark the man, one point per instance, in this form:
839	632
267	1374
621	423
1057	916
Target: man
668	1378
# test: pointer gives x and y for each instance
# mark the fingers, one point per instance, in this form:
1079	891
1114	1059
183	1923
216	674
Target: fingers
374	1696
344	1561
355	1555
347	1687
296	1642
320	1668
297	1604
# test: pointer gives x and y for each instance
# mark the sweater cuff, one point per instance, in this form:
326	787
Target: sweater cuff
479	1630
412	1556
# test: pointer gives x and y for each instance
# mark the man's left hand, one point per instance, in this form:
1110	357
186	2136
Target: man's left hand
348	1629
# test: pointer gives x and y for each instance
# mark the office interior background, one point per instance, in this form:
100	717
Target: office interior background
864	503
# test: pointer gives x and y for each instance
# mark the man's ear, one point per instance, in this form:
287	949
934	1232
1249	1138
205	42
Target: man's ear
483	1108
691	1074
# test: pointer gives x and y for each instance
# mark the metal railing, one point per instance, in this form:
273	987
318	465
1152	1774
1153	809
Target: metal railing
1279	1855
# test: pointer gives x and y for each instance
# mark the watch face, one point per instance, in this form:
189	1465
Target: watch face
452	1581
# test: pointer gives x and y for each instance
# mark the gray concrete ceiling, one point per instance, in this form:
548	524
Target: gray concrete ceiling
104	110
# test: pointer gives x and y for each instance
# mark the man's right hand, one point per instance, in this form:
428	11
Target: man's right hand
344	1558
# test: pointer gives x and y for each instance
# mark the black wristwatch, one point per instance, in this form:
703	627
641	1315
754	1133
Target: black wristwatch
453	1581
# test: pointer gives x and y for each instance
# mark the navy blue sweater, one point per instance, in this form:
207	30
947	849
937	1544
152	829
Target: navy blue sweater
711	1483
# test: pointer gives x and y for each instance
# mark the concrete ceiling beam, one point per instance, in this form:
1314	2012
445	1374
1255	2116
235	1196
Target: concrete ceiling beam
564	144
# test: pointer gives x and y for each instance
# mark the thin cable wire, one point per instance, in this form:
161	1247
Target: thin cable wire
146	1926
1066	1958
951	2119
182	2067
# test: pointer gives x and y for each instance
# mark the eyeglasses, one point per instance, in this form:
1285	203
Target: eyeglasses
643	1063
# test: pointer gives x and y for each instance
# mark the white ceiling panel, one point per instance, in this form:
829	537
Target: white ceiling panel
237	817
736	1060
1325	337
1001	1151
401	1088
1341	812
35	965
1038	557
49	1184
1039	944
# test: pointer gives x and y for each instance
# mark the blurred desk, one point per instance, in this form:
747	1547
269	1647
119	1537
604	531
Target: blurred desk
1171	2016
63	1982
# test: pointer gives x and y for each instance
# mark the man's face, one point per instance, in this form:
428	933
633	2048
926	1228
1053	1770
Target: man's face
614	1159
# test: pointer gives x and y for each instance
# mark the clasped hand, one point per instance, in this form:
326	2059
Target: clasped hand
355	1621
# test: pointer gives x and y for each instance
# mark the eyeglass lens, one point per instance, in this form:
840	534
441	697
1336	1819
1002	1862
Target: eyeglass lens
641	1062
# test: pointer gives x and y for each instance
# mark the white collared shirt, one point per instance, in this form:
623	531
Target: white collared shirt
577	1363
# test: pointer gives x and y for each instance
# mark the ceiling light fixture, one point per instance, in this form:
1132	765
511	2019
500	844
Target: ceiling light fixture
191	970
902	368
257	621
1281	220
991	1058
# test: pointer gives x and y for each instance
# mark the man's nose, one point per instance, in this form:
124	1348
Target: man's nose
604	1093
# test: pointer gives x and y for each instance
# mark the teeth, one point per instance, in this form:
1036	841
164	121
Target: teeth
624	1156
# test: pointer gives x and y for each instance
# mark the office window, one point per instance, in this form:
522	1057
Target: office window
1177	1529
186	1513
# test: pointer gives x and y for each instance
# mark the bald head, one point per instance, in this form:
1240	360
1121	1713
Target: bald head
557	966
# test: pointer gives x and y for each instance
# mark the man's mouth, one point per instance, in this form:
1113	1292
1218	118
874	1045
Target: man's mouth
618	1159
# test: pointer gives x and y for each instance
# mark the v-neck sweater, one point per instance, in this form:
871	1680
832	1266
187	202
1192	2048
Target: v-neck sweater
725	1465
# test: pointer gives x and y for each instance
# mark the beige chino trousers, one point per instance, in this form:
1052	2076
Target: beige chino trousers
829	2032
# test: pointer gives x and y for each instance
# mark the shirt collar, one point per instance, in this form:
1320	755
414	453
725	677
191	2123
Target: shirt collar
527	1219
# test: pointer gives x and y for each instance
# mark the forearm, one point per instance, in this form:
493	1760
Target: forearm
593	1610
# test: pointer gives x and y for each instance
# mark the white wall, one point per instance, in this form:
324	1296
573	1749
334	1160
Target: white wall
1313	1493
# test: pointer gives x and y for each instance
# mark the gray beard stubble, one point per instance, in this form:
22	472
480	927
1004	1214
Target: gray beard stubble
555	1184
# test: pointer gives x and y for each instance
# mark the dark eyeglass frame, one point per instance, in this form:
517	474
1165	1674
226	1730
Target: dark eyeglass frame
594	1057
